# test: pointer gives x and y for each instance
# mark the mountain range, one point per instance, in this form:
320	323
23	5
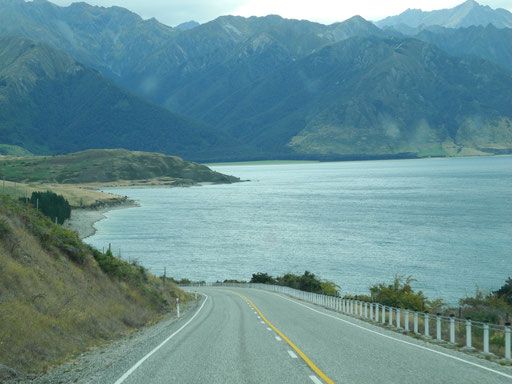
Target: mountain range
262	87
467	14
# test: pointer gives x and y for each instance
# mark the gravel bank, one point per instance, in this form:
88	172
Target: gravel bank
82	220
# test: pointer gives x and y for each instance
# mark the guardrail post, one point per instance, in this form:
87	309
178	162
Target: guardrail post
390	316
407	319
486	337
383	314
452	329
415	322
398	318
377	311
351	306
438	327
468	334
371	311
366	309
178	307
361	308
507	342
343	305
427	330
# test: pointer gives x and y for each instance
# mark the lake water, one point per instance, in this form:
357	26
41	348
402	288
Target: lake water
446	222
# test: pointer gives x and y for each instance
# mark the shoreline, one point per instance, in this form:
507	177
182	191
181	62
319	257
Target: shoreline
82	220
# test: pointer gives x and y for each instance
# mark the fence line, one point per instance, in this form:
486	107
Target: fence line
488	339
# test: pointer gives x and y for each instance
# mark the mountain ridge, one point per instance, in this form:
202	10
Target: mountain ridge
464	15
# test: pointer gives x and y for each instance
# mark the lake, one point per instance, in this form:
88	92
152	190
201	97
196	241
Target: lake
446	222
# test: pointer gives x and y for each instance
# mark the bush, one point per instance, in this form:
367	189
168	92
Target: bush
505	292
308	282
399	294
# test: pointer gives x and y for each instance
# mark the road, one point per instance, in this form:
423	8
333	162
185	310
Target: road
253	336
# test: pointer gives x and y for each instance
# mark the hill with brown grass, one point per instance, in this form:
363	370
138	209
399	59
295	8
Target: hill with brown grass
59	296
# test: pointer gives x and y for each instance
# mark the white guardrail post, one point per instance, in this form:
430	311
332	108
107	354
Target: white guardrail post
383	314
366	309
427	328
468	334
390	322
452	329
486	338
371	311
508	352
438	327
415	322
398	318
377	311
406	319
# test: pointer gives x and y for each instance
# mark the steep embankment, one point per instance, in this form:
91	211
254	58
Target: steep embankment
110	166
59	296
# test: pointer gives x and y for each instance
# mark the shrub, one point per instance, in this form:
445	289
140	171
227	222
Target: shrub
399	294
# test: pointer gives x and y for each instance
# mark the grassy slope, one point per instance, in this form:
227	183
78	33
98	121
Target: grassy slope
58	296
108	166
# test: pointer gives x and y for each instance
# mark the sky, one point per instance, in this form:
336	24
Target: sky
174	12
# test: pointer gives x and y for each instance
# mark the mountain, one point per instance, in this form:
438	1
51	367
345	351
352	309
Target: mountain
109	166
49	103
187	26
376	97
467	14
491	43
172	67
268	87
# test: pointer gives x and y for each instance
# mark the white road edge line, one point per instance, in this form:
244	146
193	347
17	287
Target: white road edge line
139	363
315	379
292	355
398	340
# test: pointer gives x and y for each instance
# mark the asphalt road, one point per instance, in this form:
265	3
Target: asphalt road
253	336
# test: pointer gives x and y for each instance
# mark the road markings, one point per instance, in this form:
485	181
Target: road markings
292	355
301	354
278	338
139	363
315	379
262	322
269	329
398	340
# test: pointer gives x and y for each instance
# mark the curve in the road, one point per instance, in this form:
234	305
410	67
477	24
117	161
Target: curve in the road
398	340
301	354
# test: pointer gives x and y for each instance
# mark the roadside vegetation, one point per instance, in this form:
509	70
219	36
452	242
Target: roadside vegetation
494	307
59	296
308	282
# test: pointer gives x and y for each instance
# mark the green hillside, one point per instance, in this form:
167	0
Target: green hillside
103	166
51	104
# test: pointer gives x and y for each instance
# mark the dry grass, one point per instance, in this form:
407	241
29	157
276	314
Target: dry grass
52	308
76	195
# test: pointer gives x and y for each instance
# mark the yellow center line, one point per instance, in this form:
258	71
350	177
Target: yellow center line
301	354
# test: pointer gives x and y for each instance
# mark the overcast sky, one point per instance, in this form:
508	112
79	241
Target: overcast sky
174	12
